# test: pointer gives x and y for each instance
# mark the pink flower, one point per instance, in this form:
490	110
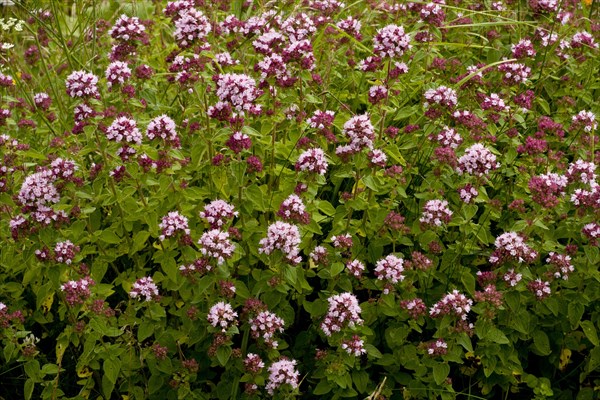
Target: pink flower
477	160
172	223
454	303
218	213
293	209
435	213
510	246
239	90
222	316
264	326
124	129
282	372
82	84
437	348
117	73
360	131
541	289
391	41
414	307
163	127
285	237
64	252
312	160
442	96
355	268
128	29
354	346
215	243
145	289
344	311
191	26
390	269
77	292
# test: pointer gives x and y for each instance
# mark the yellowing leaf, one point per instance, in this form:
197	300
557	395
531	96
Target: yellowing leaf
47	303
565	358
84	372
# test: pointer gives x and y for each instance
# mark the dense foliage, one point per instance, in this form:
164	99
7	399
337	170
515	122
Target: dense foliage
227	199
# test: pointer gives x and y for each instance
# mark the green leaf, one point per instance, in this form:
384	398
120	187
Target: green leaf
372	351
469	210
110	237
497	336
107	386
9	349
440	372
590	332
541	343
323	387
145	330
111	369
361	380
28	389
326	208
468	281
575	312
223	354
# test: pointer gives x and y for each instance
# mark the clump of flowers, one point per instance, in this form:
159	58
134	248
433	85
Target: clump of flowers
64	252
144	289
354	346
547	189
191	27
467	193
454	303
436	348
312	160
592	232
285	237
216	244
239	91
124	129
581	171
585	120
489	295
391	41
173	223
77	292
264	326
441	96
415	307
82	84
540	289
163	127
6	318
344	311
477	160
282	372
293	209
355	268
253	363
436	213
390	269
360	132
510	246
218	213
343	241
562	265
447	137
117	73
222	316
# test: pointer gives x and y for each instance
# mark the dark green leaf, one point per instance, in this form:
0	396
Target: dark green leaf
440	372
590	332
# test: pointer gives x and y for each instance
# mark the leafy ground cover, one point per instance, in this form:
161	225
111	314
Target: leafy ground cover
227	199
